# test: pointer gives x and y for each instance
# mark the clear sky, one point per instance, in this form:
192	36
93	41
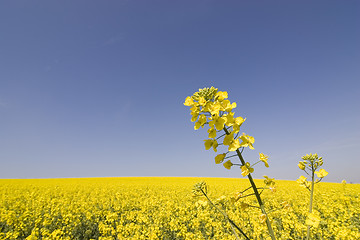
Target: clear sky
96	88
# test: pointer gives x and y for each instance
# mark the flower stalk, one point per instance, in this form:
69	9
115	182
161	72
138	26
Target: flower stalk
311	201
210	107
310	163
256	192
202	188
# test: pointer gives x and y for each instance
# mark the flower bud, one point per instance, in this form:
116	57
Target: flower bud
262	218
220	158
228	164
301	165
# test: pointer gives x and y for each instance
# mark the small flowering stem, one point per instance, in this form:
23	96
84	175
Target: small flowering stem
247	195
230	157
255	164
232	224
262	190
236	164
253	206
271	232
246	189
311	198
275	209
220	136
311	162
319	180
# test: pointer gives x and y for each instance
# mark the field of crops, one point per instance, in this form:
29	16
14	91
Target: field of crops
164	208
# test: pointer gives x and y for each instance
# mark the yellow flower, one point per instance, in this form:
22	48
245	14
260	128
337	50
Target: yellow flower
264	158
200	122
239	121
269	181
220	158
189	101
212	132
229	119
230	107
285	205
262	218
208	143
231	142
236	124
211	143
235	144
237	196
302	181
221	95
195	113
195	116
246	169
202	101
227	106
228	164
301	165
247	141
244	206
213	108
313	220
215	145
218	122
195	108
201	203
272	189
321	173
228	139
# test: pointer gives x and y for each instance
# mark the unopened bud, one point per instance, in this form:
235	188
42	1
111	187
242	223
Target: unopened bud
301	165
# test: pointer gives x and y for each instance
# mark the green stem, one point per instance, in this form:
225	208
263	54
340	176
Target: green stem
230	156
255	163
261	205
311	199
246	189
247	195
232	224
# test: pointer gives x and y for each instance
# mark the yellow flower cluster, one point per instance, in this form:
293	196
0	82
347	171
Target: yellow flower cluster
302	181
311	162
210	106
162	208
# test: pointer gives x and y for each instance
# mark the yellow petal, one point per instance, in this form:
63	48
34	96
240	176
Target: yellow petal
189	101
208	143
219	123
228	164
220	158
212	133
228	139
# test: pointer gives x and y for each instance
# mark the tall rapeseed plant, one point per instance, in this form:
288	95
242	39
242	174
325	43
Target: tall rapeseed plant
211	107
310	164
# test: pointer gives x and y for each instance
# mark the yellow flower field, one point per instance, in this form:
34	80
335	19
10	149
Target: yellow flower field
164	208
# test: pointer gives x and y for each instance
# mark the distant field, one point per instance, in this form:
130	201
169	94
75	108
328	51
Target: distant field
163	208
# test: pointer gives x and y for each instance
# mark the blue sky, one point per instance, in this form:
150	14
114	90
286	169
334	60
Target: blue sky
96	88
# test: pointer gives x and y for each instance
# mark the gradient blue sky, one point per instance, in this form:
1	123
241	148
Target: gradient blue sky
96	88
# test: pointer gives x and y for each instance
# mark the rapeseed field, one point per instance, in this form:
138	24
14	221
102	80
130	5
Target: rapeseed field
164	208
